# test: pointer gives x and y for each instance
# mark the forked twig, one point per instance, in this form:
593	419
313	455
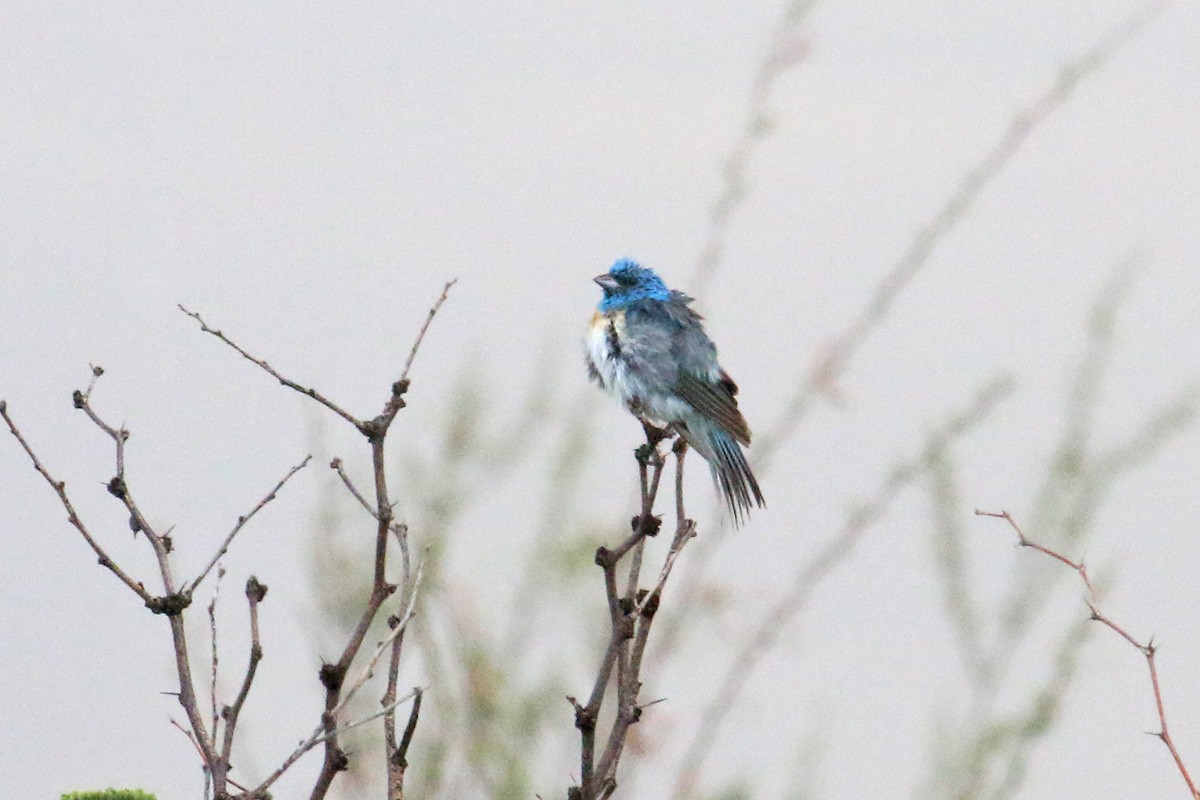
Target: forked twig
397	631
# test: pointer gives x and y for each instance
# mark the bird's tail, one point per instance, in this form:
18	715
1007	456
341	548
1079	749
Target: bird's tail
730	470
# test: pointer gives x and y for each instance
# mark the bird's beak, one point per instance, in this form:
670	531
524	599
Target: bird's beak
607	282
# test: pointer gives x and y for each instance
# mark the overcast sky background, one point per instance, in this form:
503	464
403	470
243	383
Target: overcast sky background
308	176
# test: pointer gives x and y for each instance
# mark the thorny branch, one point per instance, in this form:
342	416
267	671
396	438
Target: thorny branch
630	615
1147	649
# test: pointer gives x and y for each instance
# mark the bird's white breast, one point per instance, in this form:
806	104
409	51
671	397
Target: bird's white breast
622	380
600	351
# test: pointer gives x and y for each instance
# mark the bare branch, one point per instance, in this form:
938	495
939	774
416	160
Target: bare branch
421	334
118	487
684	531
172	604
212	638
255	592
409	729
375	715
337	465
630	616
262	364
396	632
398	529
397	756
321	735
97	371
60	488
333	675
241	522
1147	649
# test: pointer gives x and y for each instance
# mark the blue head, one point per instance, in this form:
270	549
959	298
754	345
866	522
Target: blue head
627	282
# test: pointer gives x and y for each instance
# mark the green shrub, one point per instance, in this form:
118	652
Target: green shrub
110	794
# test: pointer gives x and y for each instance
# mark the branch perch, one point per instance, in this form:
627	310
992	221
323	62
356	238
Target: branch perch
631	615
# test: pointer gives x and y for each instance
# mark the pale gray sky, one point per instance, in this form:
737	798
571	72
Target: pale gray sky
307	176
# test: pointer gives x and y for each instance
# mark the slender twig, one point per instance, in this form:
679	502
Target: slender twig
320	736
262	364
397	756
412	354
398	529
397	631
189	736
375	715
1147	649
97	371
212	638
337	466
60	488
241	522
684	531
255	592
411	727
207	777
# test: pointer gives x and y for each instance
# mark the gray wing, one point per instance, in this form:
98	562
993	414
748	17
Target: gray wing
648	345
690	370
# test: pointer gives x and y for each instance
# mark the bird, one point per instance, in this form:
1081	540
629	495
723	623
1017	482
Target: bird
647	348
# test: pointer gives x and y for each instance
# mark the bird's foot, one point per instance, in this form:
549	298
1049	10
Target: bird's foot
655	434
